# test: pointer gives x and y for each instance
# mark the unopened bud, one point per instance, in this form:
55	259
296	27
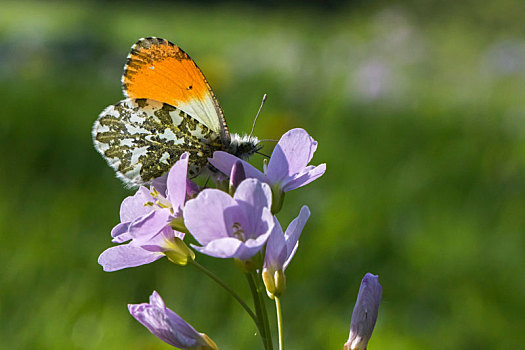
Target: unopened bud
365	312
237	175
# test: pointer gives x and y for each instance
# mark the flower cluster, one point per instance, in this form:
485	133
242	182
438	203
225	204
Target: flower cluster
238	221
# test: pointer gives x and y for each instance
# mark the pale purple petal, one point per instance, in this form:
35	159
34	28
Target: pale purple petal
224	162
254	193
304	179
166	324
205	218
259	241
124	256
232	248
119	232
156	300
159	242
227	247
151	224
292	153
133	207
365	313
176	183
292	254
282	247
264	224
293	232
231	227
253	197
275	254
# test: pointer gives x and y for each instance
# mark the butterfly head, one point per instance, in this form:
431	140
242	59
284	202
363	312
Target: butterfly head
243	146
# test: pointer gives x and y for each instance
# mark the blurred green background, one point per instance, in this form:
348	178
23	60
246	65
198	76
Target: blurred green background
419	110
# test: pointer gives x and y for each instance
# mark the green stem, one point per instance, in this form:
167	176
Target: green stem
260	309
228	289
279	321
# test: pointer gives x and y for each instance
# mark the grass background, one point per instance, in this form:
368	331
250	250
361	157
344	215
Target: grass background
419	112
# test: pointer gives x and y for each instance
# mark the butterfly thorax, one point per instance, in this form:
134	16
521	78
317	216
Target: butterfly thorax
243	146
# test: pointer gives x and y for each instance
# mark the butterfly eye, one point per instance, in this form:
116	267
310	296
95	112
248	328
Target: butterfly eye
190	87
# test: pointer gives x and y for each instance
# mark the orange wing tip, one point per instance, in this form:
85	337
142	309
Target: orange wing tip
160	70
147	51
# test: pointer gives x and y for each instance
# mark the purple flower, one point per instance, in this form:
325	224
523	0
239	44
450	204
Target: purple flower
288	168
365	312
279	252
145	222
229	227
168	326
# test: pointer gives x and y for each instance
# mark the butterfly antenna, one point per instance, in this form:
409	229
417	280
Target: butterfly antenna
262	154
268	140
257	115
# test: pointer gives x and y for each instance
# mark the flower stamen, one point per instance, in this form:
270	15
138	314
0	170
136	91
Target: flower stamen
238	232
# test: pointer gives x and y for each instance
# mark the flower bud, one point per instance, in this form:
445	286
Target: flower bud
168	326
365	312
237	175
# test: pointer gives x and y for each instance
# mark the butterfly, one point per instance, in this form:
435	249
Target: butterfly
169	109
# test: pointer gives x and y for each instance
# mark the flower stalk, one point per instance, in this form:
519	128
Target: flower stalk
260	309
278	310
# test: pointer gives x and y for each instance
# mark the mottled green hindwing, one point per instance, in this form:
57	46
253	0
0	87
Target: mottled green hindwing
141	139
